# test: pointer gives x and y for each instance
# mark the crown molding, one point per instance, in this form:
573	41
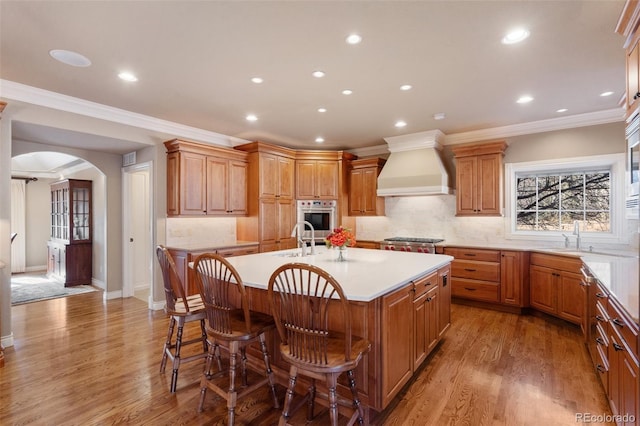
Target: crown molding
581	120
33	95
370	151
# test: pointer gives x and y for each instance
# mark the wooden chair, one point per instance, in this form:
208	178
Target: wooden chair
230	324
305	302
181	309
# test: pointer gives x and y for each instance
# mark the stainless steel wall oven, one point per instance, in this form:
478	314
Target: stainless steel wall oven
321	214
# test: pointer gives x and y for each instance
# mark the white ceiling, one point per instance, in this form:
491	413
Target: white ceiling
195	59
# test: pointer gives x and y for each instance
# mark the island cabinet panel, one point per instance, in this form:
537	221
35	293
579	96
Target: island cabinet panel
444	289
426	317
398	340
556	286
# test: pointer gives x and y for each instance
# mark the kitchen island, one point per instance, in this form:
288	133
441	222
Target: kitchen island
400	302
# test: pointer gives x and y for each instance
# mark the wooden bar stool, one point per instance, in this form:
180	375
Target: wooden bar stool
304	301
181	310
231	325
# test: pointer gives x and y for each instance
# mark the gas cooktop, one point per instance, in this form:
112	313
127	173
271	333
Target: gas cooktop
414	240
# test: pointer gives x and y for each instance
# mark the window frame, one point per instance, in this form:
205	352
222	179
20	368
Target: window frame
613	162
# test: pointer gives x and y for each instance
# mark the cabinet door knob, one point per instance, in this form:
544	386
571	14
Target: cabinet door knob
617	347
617	322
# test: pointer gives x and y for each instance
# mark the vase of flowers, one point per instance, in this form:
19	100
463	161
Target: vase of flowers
341	238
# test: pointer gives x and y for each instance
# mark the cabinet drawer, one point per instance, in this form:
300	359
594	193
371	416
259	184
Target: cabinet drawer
627	330
483	271
602	366
563	263
237	251
469	289
602	341
423	285
473	254
601	314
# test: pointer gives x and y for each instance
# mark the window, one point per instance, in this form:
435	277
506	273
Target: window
544	198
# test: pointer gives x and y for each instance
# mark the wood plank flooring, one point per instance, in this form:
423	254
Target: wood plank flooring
81	360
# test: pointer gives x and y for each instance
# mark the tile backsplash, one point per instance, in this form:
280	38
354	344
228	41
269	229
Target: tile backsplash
200	231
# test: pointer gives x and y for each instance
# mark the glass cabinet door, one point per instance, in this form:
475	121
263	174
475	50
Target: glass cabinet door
71	210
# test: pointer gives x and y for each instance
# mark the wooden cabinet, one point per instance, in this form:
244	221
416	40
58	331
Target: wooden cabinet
317	175
444	289
475	274
363	187
271	206
69	250
627	26
479	178
413	320
182	257
205	180
368	244
624	383
514	278
556	286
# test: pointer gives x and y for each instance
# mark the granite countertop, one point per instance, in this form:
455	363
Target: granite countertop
211	246
364	276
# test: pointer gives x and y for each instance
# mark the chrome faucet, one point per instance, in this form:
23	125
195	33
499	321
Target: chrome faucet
576	232
301	244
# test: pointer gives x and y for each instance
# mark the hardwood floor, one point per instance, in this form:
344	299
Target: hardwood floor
80	360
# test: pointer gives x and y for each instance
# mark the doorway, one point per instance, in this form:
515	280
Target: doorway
138	233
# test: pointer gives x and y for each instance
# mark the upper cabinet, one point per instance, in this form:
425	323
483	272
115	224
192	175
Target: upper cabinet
628	27
205	180
479	178
275	175
363	187
317	175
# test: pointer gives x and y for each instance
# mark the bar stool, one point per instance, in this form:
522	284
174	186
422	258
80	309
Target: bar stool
232	328
304	301
181	310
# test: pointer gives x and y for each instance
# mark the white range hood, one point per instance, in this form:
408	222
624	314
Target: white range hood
414	166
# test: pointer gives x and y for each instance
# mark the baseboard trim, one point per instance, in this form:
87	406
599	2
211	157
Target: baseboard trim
7	341
157	306
108	295
38	268
100	284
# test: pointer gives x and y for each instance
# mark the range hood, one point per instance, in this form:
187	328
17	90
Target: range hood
414	166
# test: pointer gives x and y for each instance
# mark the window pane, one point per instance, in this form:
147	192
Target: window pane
597	222
526	221
526	198
549	221
567	219
548	192
572	192
597	191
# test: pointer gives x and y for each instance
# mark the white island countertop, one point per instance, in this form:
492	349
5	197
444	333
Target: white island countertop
364	276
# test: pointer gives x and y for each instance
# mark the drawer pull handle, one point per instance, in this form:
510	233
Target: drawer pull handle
601	369
470	289
470	254
469	270
429	299
601	319
600	341
617	322
617	347
601	296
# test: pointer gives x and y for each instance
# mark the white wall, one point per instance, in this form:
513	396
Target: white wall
37	224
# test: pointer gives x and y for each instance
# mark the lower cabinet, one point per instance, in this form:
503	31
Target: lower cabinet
70	263
412	319
444	290
556	286
182	258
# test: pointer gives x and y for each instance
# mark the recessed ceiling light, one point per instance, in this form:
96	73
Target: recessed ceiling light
70	58
354	39
400	123
127	76
524	99
606	93
562	110
251	117
439	116
347	92
405	87
318	74
515	36
319	139
257	80
321	109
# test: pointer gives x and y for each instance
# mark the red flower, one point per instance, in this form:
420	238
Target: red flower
341	237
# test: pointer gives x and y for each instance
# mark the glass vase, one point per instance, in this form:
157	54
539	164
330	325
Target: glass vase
342	254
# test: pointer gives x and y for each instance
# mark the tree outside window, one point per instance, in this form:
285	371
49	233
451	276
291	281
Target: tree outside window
552	202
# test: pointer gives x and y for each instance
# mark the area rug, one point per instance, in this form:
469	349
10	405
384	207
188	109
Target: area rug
33	288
